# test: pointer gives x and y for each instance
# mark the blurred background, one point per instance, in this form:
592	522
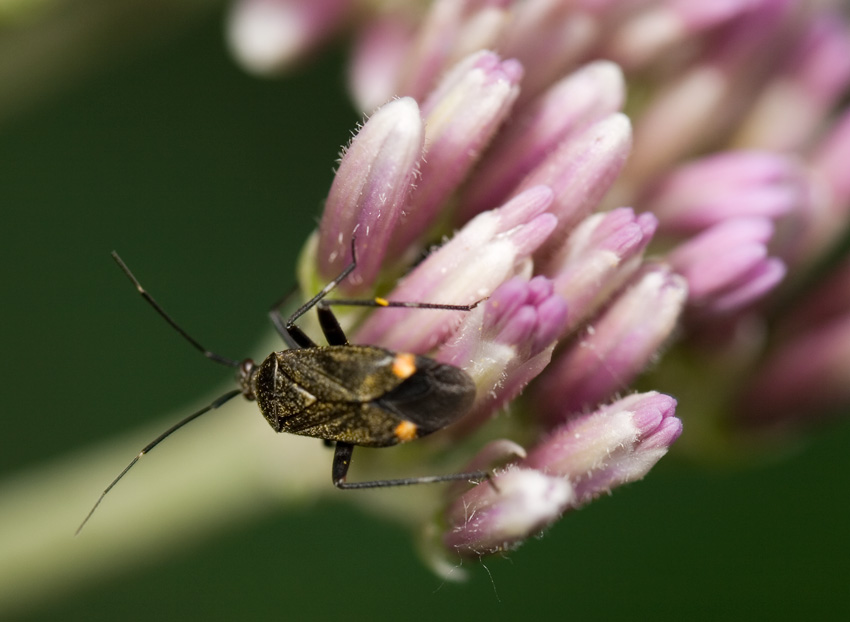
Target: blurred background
207	181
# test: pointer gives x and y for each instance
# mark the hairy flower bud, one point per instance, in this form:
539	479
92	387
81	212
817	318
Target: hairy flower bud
369	191
614	445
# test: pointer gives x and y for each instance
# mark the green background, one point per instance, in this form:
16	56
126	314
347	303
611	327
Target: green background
207	181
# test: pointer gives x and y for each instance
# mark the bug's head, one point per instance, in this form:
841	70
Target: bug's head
247	378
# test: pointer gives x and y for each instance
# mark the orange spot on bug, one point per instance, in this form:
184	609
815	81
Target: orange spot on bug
404	365
382	302
405	431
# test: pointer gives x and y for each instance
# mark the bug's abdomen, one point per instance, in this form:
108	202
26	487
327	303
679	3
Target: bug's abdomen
360	394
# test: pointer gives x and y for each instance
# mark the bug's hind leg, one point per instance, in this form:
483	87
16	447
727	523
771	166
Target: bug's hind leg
342	460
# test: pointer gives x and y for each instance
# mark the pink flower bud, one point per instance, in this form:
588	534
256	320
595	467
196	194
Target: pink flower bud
549	37
731	184
582	98
807	372
520	503
268	36
378	60
614	445
580	171
727	266
813	78
658	27
703	102
599	256
616	346
507	341
461	116
490	249
440	41
369	191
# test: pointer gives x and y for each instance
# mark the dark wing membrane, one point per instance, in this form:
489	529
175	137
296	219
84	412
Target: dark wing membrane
432	398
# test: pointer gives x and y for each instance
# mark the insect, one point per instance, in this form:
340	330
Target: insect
344	394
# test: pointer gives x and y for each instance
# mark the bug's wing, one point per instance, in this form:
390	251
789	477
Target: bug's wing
432	398
360	394
353	374
331	393
359	424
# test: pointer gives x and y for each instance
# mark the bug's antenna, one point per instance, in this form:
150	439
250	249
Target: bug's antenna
207	353
218	402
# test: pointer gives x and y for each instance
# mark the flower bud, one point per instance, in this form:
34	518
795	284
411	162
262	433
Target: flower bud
498	517
600	255
650	32
508	340
378	60
732	184
440	42
490	249
704	102
727	266
614	445
807	372
580	171
616	346
368	193
461	116
567	107
813	78
269	36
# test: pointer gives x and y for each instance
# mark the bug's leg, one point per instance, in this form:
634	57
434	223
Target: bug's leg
382	303
293	342
330	326
342	460
336	336
294	336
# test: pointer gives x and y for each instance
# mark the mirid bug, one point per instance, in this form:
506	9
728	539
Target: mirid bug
343	394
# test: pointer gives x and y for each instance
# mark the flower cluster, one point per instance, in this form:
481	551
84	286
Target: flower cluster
499	128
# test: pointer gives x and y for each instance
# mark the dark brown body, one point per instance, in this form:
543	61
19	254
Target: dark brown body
361	395
343	394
